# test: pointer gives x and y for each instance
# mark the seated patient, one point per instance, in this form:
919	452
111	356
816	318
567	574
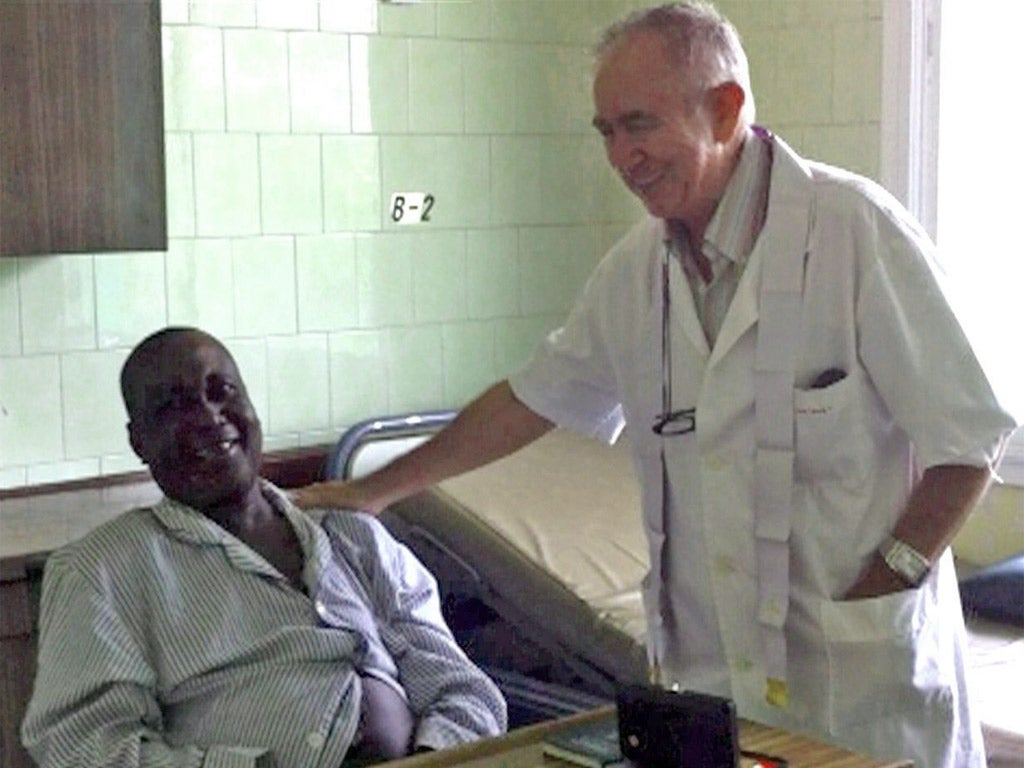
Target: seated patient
225	627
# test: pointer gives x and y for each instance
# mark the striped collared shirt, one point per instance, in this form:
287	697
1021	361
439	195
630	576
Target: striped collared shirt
730	235
166	641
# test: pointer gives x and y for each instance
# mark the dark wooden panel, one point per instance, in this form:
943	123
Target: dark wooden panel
17	658
81	127
15	619
17	671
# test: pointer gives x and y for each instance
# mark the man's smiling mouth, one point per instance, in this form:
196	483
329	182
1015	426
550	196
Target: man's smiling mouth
216	450
643	185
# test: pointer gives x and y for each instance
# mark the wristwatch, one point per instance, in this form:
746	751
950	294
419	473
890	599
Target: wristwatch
905	561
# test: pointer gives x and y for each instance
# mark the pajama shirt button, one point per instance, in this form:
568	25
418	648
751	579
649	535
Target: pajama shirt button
315	740
724	565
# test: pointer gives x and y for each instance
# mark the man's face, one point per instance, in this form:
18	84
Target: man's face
661	143
192	422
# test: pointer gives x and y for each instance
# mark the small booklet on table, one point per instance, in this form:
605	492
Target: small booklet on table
593	745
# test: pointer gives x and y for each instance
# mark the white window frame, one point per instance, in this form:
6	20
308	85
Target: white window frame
909	134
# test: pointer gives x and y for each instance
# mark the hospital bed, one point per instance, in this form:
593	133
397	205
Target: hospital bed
539	558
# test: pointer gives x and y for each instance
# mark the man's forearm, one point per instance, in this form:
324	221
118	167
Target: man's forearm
939	505
937	508
491	427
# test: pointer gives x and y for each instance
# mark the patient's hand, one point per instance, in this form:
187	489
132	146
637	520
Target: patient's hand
386	724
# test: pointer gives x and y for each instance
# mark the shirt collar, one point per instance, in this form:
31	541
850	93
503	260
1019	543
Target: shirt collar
737	220
187	524
314	541
740	212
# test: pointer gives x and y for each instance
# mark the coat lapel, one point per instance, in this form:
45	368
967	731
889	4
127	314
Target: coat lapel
785	229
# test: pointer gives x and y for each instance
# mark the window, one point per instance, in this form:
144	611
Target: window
951	152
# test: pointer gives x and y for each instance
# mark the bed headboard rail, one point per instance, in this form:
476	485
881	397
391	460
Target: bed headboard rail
372	443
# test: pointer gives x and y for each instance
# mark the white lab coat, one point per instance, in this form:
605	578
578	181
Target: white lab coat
882	675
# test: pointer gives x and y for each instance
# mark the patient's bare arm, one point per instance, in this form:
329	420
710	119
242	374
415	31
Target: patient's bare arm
491	427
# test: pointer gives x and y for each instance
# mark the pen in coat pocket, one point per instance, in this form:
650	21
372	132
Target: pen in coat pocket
828	377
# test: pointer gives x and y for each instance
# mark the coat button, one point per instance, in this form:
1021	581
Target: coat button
772	611
714	463
743	664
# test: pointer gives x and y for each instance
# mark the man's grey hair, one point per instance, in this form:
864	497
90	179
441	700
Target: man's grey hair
703	44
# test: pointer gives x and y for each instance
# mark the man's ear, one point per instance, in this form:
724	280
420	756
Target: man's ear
726	102
136	442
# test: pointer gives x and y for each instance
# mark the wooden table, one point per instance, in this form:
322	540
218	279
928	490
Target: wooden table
522	749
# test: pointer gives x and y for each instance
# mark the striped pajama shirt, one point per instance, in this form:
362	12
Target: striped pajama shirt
166	641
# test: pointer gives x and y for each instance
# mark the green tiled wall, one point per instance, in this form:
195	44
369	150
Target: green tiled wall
289	124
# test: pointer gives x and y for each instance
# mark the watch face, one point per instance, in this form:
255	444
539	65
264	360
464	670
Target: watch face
906	562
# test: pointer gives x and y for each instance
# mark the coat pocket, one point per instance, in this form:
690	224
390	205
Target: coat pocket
878	662
836	430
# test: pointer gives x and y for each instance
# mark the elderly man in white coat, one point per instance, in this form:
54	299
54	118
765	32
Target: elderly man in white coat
810	423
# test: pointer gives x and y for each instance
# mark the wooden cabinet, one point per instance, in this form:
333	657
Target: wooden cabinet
81	127
18	587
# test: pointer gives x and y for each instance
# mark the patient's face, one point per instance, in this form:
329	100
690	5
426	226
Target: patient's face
193	424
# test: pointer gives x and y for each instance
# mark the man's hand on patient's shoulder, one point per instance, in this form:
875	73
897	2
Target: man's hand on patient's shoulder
335	494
